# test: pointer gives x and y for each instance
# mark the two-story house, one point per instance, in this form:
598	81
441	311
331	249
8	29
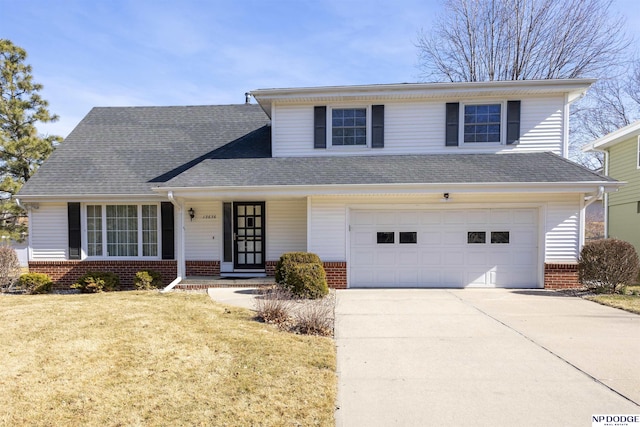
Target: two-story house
621	150
398	185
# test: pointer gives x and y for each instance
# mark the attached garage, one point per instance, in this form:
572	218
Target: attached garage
444	248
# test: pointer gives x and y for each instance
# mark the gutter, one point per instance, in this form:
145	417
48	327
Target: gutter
594	197
180	255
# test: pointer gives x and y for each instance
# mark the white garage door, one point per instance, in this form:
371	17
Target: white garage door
444	248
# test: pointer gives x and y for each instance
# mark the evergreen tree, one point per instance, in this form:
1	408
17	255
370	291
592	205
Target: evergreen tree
22	149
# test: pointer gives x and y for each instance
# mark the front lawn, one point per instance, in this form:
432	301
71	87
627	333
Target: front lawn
629	302
145	358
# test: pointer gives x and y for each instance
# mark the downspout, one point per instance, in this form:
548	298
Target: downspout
180	254
28	209
588	201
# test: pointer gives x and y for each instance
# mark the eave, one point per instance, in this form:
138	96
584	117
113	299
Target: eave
573	88
613	138
388	189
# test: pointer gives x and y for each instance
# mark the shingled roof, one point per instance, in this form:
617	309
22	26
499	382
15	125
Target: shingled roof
128	150
404	169
131	150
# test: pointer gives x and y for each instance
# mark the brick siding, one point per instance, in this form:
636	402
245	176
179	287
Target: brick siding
202	268
336	273
65	273
561	276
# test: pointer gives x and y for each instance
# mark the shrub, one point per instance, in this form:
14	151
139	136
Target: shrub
287	260
35	283
302	274
315	318
147	279
9	267
274	306
608	264
97	281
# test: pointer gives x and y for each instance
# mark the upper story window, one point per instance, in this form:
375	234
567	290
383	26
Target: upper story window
345	126
475	124
349	126
482	123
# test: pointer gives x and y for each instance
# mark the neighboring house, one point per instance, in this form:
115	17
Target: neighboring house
399	185
621	150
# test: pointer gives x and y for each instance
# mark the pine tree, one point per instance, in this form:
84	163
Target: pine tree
22	149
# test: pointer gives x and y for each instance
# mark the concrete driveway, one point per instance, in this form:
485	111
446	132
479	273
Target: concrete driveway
487	357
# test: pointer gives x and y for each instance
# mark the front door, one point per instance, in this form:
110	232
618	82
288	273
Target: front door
248	234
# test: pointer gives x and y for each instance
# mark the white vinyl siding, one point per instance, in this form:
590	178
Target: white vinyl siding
203	235
562	231
49	232
418	127
327	229
286	227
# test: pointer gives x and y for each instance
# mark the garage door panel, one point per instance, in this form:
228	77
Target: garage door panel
363	258
433	217
409	218
477	217
364	238
455	217
441	257
427	238
430	257
522	216
476	258
411	258
386	218
452	237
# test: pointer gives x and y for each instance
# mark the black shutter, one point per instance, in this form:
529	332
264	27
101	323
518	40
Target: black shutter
168	239
513	122
452	122
75	240
320	127
377	126
227	232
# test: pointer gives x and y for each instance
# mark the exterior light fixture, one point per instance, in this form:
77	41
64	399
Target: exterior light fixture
192	213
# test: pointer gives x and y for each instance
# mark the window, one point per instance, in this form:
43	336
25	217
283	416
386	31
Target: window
474	237
385	237
122	230
349	127
499	237
408	237
482	123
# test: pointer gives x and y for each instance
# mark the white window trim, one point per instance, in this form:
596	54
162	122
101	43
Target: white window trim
330	145
103	206
503	124
638	154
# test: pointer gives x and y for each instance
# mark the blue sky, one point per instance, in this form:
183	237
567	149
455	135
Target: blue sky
90	53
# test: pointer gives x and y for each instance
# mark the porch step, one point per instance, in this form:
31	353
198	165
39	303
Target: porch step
205	282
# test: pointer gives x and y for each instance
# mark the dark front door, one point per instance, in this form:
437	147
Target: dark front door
248	233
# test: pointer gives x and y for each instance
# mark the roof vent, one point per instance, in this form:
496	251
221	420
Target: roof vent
247	98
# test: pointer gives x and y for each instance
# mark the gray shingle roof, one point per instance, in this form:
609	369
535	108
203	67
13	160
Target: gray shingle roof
418	169
128	150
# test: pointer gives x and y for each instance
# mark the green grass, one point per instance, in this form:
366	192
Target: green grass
145	358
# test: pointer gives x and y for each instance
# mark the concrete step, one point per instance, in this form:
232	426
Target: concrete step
206	282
